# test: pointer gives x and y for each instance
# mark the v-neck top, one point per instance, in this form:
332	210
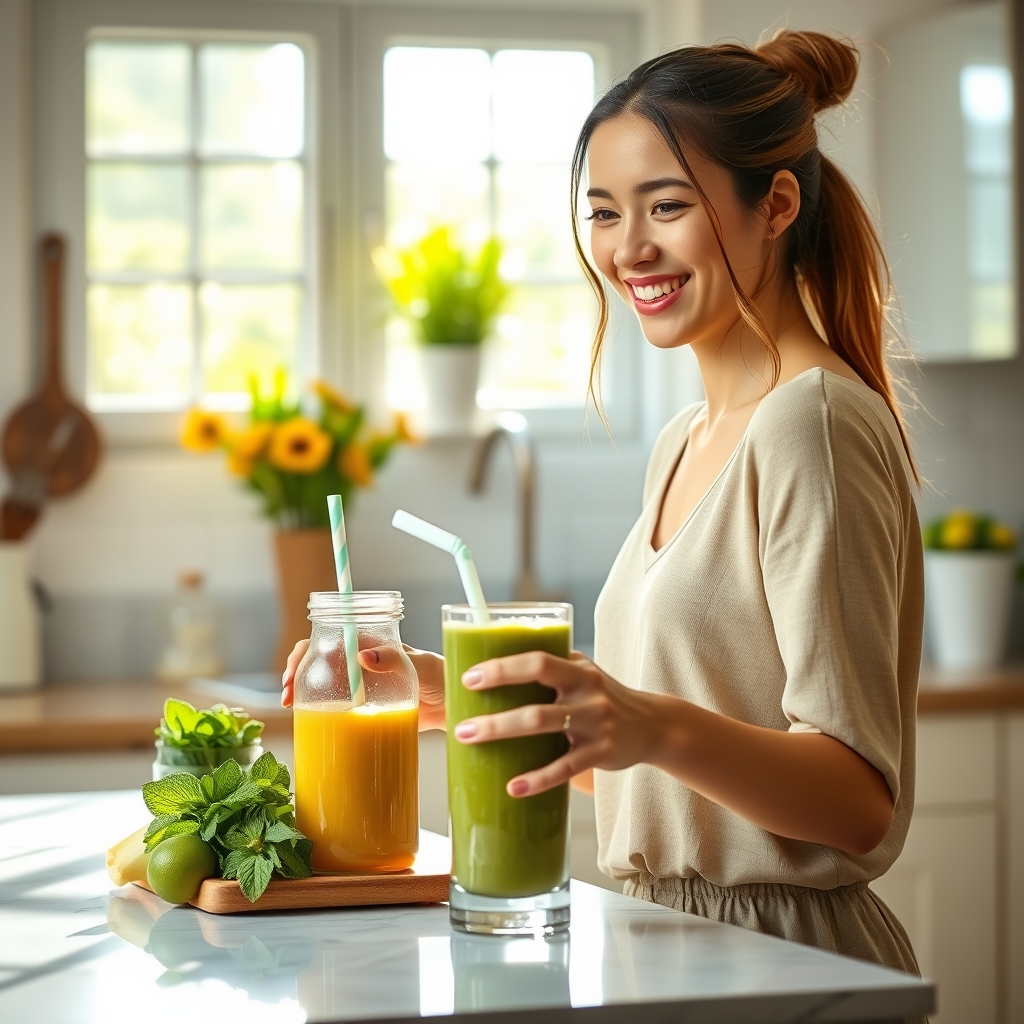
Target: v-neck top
792	597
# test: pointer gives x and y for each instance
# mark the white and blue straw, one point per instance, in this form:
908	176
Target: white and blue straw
455	546
344	571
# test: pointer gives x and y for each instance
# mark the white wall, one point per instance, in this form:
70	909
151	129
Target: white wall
110	555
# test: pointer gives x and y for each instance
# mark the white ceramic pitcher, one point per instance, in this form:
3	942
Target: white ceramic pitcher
20	656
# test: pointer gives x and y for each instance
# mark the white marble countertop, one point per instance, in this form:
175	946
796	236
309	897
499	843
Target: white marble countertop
73	950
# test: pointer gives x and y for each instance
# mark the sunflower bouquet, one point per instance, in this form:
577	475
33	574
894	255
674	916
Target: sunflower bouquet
293	461
961	530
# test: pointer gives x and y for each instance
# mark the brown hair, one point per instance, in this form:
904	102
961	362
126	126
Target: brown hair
751	111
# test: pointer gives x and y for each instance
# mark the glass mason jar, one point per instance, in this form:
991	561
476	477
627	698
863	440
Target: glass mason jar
200	761
357	767
510	855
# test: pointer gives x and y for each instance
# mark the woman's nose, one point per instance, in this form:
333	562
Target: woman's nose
634	248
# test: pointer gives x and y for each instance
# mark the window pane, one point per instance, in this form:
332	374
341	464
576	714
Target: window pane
541	355
137	217
248	329
534	222
252	216
140	340
541	99
421	196
437	103
252	99
137	97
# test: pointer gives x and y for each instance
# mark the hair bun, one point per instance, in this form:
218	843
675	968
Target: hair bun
824	66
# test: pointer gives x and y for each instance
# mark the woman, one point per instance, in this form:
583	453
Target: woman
747	724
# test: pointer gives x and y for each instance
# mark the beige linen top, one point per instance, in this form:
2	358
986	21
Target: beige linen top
791	598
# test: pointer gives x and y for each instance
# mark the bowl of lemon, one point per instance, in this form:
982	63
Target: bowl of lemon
969	564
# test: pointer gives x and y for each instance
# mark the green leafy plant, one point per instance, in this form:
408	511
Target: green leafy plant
962	530
449	292
247	817
184	726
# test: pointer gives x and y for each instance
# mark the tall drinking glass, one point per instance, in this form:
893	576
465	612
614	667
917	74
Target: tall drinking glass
510	855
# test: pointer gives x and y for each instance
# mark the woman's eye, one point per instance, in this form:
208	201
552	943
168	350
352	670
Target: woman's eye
668	206
602	214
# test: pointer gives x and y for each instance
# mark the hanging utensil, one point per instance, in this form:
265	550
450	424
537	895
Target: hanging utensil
50	444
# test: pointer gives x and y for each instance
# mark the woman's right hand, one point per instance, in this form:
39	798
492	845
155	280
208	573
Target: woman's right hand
429	671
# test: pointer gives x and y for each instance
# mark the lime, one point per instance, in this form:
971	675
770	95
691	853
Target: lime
178	866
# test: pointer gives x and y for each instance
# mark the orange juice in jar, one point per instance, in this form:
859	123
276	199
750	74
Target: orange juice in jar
356	767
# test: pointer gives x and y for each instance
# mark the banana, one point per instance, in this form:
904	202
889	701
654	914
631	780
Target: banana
127	860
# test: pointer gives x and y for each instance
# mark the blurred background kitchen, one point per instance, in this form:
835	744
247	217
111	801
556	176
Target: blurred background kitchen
242	190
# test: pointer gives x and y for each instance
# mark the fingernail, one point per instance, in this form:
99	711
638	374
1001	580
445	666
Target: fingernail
465	731
373	656
472	677
518	787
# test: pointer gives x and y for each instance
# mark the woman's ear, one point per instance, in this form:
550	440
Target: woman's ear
782	204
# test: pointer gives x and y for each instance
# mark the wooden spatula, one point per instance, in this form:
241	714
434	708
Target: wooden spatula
50	444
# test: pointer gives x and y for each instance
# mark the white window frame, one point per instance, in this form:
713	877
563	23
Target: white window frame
64	30
613	41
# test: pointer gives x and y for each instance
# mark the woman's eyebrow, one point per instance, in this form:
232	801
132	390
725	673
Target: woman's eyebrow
643	188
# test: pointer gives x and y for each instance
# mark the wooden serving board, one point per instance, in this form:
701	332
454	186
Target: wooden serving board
425	882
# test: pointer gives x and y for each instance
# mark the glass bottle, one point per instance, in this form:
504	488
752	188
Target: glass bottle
357	767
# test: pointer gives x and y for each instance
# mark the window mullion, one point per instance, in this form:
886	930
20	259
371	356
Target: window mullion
196	378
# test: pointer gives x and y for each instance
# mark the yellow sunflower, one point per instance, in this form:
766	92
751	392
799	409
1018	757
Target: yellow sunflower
299	446
354	463
331	396
252	442
958	530
1002	536
239	466
202	431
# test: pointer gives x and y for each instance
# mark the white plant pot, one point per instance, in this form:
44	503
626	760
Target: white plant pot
20	656
451	375
967	606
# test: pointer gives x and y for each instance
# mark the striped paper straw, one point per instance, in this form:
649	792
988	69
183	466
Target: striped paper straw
457	548
344	571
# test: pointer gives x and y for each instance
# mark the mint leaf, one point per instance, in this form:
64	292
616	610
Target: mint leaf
253	873
161	821
185	826
173	794
266	767
226	779
231	863
219	726
295	861
279	832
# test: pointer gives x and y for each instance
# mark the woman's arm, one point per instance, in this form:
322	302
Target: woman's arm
802	786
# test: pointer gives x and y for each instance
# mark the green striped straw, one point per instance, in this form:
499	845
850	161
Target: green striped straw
344	571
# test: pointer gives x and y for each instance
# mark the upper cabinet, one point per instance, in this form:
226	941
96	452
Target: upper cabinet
947	182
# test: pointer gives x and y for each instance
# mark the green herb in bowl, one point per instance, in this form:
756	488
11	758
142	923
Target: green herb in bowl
197	741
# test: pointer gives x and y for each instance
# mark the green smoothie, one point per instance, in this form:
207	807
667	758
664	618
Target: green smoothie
503	846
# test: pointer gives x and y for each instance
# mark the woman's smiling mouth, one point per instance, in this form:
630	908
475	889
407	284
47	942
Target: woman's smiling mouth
651	295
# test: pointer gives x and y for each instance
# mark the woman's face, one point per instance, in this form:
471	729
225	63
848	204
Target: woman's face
652	237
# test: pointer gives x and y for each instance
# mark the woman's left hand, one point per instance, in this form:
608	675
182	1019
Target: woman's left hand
607	724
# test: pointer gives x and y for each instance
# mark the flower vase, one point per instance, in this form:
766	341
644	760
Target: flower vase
968	595
451	375
305	564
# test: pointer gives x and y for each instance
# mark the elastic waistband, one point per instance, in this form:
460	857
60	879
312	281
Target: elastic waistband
701	887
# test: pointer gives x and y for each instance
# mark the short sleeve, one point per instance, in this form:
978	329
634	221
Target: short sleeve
830	533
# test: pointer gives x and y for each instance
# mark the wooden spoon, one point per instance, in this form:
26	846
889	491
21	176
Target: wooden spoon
50	444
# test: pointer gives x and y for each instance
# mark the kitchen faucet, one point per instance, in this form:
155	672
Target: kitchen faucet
513	427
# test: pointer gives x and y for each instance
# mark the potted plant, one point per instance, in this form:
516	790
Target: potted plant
194	741
969	569
293	461
452	295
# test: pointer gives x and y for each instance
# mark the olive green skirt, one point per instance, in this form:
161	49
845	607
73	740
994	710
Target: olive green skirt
850	920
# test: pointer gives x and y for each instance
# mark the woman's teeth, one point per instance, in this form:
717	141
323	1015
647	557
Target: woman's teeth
650	292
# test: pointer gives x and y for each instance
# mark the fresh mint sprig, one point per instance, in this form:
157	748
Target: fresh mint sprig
219	726
247	817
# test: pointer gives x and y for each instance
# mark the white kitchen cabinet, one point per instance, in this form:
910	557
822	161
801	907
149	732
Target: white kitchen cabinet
958	886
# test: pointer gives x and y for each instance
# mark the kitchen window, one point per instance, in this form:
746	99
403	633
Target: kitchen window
196	241
482	140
